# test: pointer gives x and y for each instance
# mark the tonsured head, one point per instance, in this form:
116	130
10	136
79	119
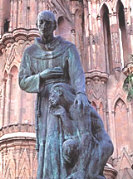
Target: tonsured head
46	23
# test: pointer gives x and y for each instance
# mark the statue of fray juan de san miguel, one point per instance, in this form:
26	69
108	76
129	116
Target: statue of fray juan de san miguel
71	140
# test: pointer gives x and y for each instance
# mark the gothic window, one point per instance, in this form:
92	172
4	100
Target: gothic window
122	32
107	38
121	126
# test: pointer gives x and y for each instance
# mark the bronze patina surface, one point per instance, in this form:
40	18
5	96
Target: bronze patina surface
71	140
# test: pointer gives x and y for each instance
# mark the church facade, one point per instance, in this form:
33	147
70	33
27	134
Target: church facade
102	31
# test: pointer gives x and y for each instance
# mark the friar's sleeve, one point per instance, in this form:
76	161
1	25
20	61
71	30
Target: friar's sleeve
28	81
76	73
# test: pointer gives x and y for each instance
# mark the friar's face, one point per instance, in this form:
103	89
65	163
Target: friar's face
46	23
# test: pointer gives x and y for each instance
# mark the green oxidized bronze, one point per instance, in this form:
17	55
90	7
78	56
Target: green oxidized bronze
71	140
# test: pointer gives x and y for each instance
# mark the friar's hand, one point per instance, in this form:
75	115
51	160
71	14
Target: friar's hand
81	101
51	72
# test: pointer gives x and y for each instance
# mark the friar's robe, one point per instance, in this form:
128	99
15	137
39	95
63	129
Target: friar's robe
37	58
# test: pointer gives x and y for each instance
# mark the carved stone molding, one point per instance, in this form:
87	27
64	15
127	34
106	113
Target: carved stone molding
16	35
66	9
16	128
96	84
15	137
62	7
96	73
124	157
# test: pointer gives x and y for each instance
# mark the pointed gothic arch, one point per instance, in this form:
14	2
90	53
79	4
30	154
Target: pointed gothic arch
121	126
101	6
119	99
13	55
116	4
107	37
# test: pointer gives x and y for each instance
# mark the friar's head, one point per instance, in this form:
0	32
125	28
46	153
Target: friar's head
46	23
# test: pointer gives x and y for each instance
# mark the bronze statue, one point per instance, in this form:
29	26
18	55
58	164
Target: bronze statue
71	140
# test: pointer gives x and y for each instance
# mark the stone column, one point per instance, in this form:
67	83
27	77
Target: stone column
15	13
20	106
33	16
1	18
100	46
131	29
115	40
7	117
90	36
113	132
11	17
20	22
3	102
86	58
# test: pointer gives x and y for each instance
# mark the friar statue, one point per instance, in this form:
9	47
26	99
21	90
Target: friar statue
71	140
